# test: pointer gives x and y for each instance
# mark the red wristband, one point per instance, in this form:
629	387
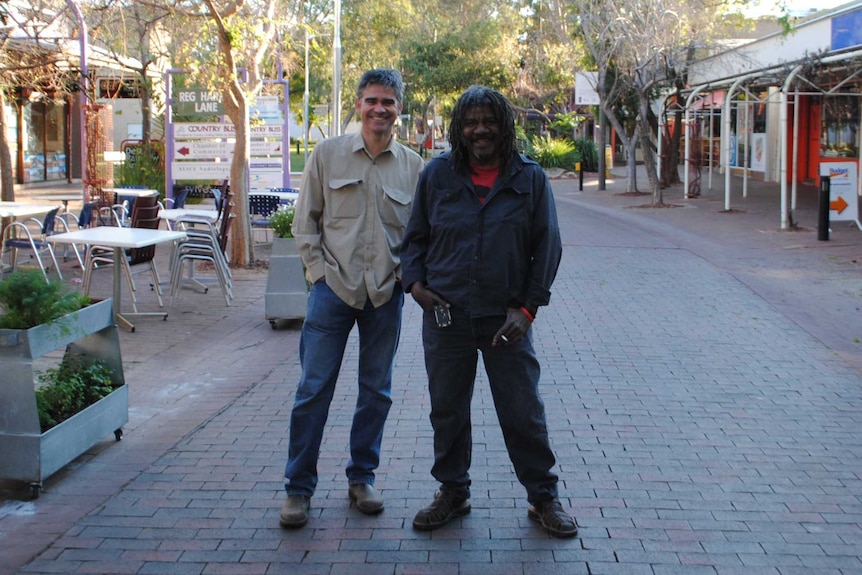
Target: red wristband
527	313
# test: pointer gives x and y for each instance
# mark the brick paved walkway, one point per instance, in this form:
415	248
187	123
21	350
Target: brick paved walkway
698	427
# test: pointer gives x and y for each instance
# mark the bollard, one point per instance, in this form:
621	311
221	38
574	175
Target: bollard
581	176
823	210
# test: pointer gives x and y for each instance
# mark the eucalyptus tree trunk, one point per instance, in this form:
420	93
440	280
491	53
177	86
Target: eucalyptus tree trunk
7	184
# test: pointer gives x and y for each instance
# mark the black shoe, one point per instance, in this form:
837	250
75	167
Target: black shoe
294	511
443	509
553	518
367	499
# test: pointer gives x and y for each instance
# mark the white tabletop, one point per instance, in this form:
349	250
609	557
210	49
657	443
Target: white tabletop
65	197
174	214
117	237
23	209
131	192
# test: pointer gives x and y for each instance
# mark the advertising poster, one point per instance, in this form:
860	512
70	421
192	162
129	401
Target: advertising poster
843	197
758	152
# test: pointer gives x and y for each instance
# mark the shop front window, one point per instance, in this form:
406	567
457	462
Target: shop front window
840	127
43	136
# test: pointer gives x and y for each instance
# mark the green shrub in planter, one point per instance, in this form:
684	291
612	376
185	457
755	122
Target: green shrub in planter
75	384
27	300
554	153
282	220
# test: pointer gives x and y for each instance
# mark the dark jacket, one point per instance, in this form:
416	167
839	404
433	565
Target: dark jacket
483	258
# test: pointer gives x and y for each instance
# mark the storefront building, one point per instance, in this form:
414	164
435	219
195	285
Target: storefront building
782	108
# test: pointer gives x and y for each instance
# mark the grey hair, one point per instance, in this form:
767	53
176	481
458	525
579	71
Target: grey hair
386	77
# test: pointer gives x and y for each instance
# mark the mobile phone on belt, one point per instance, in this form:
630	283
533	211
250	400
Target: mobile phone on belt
442	315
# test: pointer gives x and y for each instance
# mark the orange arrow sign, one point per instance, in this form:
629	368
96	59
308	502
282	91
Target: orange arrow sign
838	205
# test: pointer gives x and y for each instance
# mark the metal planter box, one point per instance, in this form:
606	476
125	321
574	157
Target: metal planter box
286	295
28	454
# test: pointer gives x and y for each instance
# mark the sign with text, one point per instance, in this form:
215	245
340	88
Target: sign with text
216	130
267	108
193	170
197	102
208	150
585	88
843	197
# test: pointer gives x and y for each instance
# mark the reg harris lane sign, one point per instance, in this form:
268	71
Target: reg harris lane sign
197	102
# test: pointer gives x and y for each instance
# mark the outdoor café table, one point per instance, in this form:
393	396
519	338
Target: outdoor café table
130	192
65	198
23	209
120	239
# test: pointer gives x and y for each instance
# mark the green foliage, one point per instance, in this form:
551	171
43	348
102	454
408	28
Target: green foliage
589	154
554	153
144	167
444	65
76	383
564	125
282	220
28	300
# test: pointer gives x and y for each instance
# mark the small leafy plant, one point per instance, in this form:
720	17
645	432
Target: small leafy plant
76	383
282	220
27	300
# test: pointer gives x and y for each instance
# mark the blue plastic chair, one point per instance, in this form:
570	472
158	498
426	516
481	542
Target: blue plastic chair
179	199
18	236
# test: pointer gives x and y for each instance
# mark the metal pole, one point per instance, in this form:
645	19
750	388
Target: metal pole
335	129
305	101
82	37
601	146
823	210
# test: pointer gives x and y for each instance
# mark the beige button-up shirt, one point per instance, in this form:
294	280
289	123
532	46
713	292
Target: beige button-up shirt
351	215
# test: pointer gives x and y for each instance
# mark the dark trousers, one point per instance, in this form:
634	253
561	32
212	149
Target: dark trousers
451	357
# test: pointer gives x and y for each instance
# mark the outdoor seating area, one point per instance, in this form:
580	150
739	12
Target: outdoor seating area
101	250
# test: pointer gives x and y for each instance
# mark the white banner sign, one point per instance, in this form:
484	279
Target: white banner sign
216	130
221	170
262	181
200	170
207	150
843	198
585	89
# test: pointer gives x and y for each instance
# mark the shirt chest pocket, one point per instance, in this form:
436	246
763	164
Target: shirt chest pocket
345	198
395	206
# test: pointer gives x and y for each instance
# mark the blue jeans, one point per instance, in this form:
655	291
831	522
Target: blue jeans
328	323
451	356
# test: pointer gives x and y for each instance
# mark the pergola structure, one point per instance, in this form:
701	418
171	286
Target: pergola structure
821	76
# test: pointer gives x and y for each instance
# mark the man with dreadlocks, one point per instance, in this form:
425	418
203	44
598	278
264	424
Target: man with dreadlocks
480	253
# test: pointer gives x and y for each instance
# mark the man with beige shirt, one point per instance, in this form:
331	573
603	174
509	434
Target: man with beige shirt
353	207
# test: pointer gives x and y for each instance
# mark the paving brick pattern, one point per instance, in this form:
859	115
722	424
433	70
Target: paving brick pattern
698	430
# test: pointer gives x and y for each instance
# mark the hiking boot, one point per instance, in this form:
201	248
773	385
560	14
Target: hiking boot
294	511
553	518
443	509
367	499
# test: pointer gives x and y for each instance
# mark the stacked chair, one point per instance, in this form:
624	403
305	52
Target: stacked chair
205	242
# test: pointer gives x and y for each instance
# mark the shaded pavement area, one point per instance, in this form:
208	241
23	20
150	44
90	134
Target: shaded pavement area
704	400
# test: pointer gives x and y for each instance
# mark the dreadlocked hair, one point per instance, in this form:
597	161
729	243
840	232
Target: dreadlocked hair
503	112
